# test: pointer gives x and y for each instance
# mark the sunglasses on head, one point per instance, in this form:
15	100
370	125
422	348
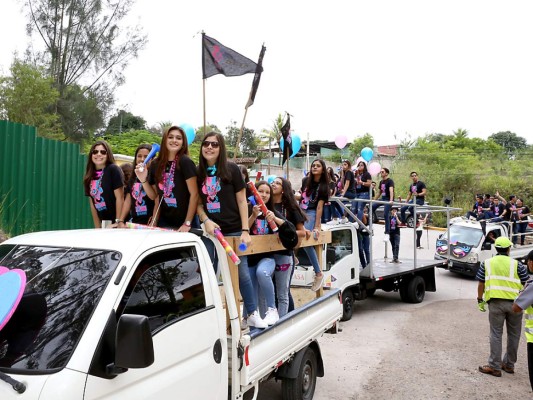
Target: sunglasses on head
102	152
214	145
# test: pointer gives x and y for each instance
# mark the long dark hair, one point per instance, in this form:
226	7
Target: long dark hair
365	169
323	183
144	146
288	201
90	169
222	163
270	203
162	158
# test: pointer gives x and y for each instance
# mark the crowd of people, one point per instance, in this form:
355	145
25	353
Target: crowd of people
495	208
173	192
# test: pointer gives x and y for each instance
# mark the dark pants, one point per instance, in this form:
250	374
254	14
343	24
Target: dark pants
386	213
530	362
419	202
364	248
418	237
522	232
395	243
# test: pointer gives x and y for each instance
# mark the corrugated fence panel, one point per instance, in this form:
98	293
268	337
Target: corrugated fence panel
40	182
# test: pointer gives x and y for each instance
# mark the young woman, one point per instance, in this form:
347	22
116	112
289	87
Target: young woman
104	185
137	205
363	183
223	205
330	210
346	186
420	229
285	203
172	179
263	266
315	192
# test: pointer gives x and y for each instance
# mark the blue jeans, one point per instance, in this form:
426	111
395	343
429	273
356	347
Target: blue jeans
395	244
522	231
310	250
386	212
359	206
283	281
364	249
419	202
261	276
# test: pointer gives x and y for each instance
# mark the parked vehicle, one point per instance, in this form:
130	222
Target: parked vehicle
137	314
378	215
472	243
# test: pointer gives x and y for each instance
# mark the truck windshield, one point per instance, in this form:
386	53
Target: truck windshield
63	287
465	235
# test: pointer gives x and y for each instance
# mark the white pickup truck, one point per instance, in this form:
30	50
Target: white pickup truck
140	314
472	243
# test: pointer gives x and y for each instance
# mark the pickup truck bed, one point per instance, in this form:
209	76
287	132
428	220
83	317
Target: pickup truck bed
383	270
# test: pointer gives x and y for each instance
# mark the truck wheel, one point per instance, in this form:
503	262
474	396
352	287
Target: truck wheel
303	386
370	292
410	221
415	290
347	305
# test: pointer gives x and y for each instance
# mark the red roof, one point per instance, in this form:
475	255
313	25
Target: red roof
388	150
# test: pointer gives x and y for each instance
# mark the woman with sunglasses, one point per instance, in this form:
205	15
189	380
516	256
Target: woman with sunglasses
223	206
104	185
285	203
315	192
137	205
172	180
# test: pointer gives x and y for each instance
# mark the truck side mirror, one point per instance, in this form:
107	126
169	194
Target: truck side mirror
134	347
487	246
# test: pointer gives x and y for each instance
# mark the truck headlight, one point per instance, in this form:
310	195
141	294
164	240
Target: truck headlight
472	259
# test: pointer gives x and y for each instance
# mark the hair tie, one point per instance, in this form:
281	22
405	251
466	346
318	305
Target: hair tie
211	171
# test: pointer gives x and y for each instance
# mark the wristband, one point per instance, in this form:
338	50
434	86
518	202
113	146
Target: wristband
479	300
143	182
118	220
245	230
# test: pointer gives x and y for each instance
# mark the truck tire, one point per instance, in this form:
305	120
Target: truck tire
413	290
410	221
303	386
347	305
370	292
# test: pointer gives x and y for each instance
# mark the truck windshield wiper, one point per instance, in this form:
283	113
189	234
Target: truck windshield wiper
19	387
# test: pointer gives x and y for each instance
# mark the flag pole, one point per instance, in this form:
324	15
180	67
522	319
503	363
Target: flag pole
240	134
205	124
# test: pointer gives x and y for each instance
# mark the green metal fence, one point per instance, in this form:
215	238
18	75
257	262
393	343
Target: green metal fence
40	182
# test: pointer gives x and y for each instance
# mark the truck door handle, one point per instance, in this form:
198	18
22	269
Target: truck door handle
217	351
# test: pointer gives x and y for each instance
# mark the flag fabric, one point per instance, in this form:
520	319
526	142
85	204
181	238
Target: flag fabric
219	59
286	133
257	78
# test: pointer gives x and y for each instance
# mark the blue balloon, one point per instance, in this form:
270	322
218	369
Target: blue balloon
281	144
189	132
271	179
296	144
367	154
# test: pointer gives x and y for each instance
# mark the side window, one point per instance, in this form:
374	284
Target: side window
340	246
166	287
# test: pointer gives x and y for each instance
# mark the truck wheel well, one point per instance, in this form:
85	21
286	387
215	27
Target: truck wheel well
290	369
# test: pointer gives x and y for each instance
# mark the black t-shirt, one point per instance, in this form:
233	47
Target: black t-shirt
364	177
311	198
261	227
497	210
384	187
292	216
220	201
416	188
102	191
142	206
349	176
512	213
523	210
394	225
175	202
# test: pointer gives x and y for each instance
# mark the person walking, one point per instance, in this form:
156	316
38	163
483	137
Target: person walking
417	190
500	280
524	301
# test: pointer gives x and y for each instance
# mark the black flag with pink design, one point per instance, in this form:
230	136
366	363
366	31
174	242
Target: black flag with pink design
219	59
287	145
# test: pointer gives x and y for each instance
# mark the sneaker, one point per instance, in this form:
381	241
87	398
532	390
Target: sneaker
344	220
419	247
485	369
334	221
509	370
244	324
356	225
386	237
396	261
255	320
271	316
317	283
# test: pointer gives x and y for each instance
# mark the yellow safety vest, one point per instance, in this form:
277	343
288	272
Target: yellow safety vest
529	324
501	278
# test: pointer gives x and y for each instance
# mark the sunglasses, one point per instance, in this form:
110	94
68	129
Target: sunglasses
214	145
102	152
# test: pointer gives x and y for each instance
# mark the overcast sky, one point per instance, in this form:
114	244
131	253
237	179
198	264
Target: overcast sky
390	68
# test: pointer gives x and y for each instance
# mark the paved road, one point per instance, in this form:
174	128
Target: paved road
393	350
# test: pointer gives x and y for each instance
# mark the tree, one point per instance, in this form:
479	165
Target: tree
84	42
27	97
247	146
199	133
360	142
509	140
125	121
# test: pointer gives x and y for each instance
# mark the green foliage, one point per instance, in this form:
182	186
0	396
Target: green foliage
247	144
360	142
27	97
125	121
509	140
199	133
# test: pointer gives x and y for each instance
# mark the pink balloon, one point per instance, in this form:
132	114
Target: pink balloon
374	168
341	141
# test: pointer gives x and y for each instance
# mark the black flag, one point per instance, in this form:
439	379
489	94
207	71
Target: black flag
286	133
257	77
219	59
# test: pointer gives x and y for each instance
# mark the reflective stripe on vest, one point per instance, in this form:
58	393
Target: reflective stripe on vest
501	278
529	324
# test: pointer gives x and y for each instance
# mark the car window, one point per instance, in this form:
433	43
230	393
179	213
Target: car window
166	287
340	246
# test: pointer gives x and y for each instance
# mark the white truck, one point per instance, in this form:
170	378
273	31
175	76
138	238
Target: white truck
472	243
140	314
